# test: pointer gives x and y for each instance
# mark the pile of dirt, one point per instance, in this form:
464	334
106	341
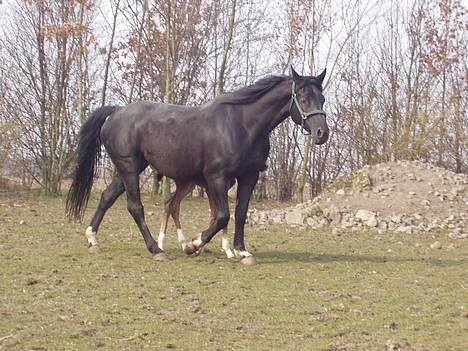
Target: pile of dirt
406	196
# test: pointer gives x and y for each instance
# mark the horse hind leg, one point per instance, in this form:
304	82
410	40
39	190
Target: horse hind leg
182	190
108	197
172	208
164	220
136	209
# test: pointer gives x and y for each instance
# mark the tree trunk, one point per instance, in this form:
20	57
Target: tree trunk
304	170
227	48
109	54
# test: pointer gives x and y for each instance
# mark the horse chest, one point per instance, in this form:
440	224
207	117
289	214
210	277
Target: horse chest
255	158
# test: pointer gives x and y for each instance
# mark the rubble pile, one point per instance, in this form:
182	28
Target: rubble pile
404	196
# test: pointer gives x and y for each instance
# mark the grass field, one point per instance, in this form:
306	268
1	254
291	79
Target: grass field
310	290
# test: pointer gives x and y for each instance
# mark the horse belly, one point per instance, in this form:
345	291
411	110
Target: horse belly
174	163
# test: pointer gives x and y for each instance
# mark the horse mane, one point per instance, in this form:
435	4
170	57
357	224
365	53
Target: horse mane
252	92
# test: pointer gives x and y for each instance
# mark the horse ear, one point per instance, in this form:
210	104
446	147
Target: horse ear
294	74
321	76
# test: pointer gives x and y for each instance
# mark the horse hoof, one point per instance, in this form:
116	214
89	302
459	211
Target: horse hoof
161	256
93	249
249	260
190	249
196	253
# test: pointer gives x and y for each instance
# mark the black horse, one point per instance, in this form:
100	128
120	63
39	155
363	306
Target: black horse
210	145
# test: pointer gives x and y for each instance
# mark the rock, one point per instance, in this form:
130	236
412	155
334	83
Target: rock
426	203
367	217
372	222
383	225
22	222
340	192
277	218
457	234
409	229
391	345
295	216
436	245
361	180
347	220
334	214
315	211
364	215
312	222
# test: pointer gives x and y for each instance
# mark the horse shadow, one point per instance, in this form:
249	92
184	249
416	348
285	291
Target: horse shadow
280	257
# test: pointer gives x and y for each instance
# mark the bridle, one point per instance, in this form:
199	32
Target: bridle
304	115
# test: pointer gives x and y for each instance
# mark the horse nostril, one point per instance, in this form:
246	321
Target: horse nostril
320	132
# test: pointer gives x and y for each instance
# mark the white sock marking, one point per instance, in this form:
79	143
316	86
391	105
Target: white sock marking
161	240
226	247
181	238
243	253
91	236
198	242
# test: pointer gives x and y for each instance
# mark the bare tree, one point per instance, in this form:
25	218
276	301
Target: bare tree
46	45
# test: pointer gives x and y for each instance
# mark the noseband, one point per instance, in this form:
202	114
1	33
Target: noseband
304	115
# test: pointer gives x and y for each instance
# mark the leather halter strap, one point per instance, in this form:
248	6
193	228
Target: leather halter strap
304	115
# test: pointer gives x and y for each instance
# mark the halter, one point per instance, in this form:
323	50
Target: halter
304	115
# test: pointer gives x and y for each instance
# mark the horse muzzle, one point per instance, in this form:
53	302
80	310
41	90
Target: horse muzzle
321	135
318	128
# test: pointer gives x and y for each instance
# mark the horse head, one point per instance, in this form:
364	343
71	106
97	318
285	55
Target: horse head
306	106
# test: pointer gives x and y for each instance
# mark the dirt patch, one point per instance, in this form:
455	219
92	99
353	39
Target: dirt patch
407	196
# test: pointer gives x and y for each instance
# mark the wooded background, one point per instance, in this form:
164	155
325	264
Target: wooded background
396	86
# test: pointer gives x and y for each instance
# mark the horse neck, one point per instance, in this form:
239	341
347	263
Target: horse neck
269	111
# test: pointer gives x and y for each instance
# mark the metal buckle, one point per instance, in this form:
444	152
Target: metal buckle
304	115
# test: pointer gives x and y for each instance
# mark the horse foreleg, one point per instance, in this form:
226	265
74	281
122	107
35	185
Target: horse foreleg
225	242
108	197
245	186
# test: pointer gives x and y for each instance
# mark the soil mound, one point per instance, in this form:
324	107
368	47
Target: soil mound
406	196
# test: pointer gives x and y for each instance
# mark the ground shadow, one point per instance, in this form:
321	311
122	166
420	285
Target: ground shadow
275	256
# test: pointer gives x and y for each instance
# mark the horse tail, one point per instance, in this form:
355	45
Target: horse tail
88	154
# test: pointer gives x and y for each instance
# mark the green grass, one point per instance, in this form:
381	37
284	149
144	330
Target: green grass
310	290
